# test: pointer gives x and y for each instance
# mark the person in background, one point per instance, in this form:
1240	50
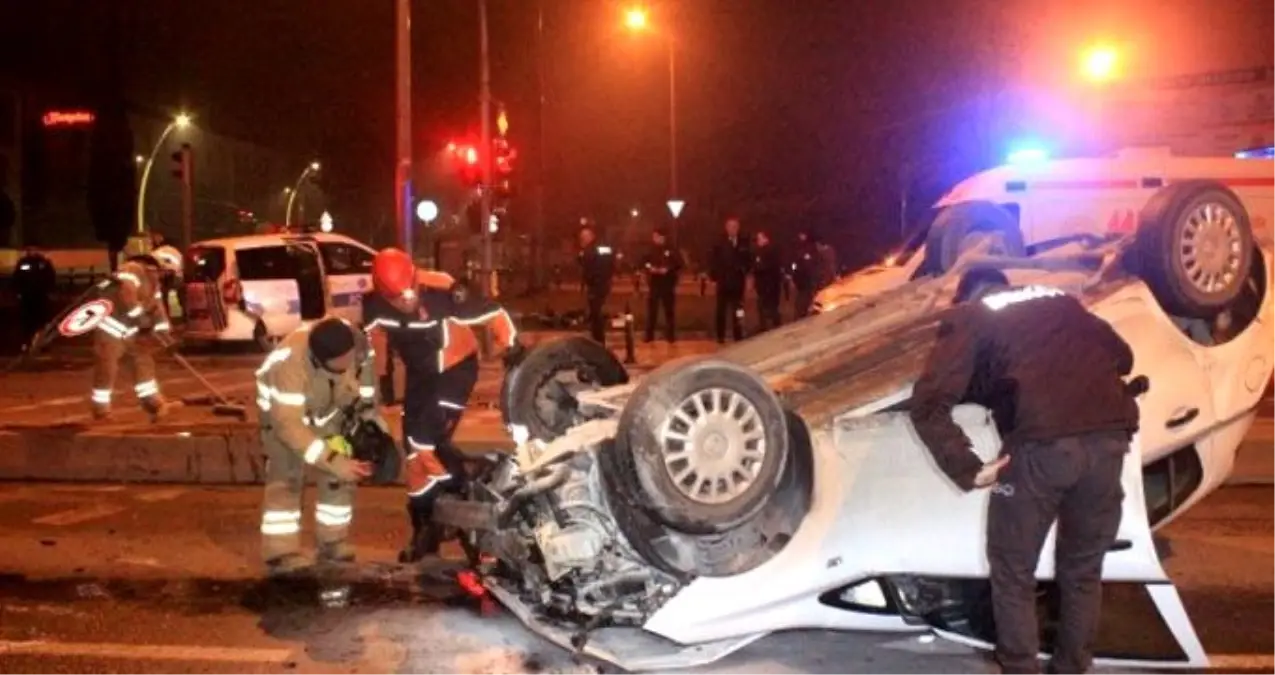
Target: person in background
662	265
768	280
34	279
597	268
728	268
804	272
827	264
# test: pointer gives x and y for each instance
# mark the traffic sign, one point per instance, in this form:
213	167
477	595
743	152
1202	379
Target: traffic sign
426	211
86	317
675	207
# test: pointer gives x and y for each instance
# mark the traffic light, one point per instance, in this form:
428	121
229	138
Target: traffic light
181	160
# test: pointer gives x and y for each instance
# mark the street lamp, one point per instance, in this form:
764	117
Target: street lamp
181	121
1099	64
312	167
637	19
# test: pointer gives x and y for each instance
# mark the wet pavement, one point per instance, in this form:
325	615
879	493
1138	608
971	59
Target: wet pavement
165	579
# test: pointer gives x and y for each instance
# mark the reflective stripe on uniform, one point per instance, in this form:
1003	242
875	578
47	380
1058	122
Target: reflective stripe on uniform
429	485
279	523
419	325
367	391
101	395
417	446
450	404
276	356
314	450
116	328
513	330
322	420
288	397
333	515
129	277
146	389
135	312
162	327
263	395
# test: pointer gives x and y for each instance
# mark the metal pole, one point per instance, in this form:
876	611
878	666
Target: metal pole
403	124
292	196
188	197
146	174
485	154
537	258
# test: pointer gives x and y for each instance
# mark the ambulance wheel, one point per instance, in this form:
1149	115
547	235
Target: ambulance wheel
1194	248
961	227
262	338
539	393
701	445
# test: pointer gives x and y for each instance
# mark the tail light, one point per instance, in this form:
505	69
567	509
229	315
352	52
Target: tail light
232	292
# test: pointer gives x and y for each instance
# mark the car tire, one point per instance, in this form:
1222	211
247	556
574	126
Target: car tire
1194	248
961	227
261	337
539	393
742	435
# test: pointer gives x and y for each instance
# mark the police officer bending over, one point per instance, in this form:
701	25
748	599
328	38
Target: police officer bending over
597	267
662	265
1051	373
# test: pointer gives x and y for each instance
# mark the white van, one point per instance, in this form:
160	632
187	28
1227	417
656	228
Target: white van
259	288
1026	207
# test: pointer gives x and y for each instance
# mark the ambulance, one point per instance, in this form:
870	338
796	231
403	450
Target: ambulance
1034	203
259	288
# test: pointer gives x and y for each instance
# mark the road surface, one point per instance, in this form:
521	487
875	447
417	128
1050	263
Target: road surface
164	579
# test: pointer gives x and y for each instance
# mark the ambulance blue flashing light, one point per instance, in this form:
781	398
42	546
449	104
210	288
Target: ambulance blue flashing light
1028	155
1267	152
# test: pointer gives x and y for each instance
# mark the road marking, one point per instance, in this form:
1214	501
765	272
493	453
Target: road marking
134	652
1233	662
161	495
74	516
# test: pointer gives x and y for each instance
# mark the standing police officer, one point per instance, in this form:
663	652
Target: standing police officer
597	267
33	280
804	274
662	265
768	280
1051	373
728	268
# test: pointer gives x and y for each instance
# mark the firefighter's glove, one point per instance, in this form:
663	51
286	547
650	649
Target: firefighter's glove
348	470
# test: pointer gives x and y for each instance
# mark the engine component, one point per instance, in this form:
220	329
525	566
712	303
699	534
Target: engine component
568	548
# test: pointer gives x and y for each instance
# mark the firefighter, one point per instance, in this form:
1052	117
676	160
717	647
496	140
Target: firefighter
662	265
597	267
33	280
306	387
125	335
1052	375
768	281
427	318
804	273
170	264
728	269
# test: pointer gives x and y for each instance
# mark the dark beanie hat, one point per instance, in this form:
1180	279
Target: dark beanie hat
330	338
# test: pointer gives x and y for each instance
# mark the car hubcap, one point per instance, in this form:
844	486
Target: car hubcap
713	445
1210	248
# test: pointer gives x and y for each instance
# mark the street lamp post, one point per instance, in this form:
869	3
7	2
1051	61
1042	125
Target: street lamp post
310	168
181	121
637	20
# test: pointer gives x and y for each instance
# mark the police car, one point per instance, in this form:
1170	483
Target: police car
259	288
1034	203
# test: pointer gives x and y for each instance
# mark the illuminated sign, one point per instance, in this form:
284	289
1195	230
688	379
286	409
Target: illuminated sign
68	118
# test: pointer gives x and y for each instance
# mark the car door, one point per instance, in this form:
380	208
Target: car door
203	270
268	276
348	267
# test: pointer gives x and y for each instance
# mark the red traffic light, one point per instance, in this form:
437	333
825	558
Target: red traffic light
471	155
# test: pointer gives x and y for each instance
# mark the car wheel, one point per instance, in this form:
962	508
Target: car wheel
1194	248
540	392
262	338
961	227
708	441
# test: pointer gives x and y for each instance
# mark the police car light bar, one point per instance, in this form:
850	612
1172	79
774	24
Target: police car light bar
1027	156
1267	152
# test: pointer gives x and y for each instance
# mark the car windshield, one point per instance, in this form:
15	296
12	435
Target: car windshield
270	262
204	263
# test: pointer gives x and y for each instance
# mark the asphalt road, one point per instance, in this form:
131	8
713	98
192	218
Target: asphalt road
164	579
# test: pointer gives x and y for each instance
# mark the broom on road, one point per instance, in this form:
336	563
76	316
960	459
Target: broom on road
222	406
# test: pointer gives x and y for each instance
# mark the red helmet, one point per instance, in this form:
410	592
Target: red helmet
393	273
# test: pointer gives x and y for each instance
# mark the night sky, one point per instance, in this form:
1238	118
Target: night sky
790	112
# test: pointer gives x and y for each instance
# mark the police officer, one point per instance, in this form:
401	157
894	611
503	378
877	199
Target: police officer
597	267
428	319
768	281
662	265
804	273
728	268
134	293
305	388
33	280
1051	373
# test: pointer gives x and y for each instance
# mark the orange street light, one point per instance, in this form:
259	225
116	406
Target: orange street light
636	18
1100	64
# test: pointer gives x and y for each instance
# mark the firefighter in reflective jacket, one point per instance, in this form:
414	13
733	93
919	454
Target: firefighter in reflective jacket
134	293
305	388
427	319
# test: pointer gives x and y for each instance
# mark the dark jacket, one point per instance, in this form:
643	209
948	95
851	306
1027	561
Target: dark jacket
597	267
34	277
729	264
1035	357
662	264
805	266
768	270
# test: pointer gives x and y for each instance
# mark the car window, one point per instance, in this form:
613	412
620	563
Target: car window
204	263
269	262
339	258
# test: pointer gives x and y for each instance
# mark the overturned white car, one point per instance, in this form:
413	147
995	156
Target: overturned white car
779	485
